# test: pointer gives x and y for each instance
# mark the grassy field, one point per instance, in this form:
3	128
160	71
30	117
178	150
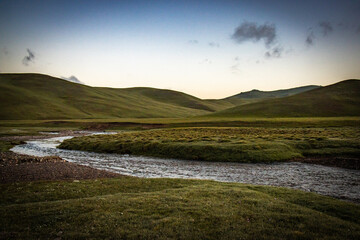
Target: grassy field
31	127
236	144
340	99
133	208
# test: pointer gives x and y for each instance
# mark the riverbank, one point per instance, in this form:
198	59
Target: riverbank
23	168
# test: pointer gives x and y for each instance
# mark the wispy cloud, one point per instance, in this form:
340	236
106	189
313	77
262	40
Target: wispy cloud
205	61
214	44
235	68
72	78
251	31
275	52
5	51
29	57
326	28
193	42
310	38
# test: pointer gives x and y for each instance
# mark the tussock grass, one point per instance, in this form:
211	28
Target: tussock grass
247	144
5	146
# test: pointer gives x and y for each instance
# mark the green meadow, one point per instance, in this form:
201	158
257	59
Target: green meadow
234	144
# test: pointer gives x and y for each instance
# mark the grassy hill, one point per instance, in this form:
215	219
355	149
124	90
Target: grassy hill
340	99
36	96
257	95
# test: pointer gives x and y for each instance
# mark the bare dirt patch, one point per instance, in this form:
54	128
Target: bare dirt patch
19	168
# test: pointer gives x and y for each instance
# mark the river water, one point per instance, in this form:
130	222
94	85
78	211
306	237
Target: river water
336	182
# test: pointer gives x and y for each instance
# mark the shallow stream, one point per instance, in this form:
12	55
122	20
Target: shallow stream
331	181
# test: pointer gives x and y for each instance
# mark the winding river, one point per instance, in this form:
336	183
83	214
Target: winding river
331	181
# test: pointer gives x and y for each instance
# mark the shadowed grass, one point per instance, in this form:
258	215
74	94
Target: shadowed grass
133	208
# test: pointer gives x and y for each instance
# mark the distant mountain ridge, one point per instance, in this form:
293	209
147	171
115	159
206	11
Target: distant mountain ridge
274	94
340	99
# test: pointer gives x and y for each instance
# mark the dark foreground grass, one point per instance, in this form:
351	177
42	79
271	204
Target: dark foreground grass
133	208
244	144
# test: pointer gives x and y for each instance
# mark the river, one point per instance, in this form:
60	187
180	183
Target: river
336	182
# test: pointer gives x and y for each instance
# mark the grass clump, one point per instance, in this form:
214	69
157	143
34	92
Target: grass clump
244	144
133	208
5	146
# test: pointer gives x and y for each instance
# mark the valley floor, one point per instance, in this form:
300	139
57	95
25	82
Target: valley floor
46	198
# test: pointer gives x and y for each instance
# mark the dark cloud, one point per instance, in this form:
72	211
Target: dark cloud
310	38
193	41
358	29
326	28
72	78
214	44
275	52
29	57
249	31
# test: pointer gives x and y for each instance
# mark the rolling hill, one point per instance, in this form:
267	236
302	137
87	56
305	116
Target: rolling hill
257	95
37	96
340	99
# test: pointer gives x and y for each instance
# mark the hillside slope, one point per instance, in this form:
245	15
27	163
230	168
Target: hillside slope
340	99
36	96
257	95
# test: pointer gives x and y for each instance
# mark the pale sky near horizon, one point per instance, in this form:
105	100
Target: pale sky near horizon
209	49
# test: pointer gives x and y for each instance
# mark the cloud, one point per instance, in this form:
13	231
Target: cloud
235	68
250	31
29	57
326	28
193	42
5	51
206	61
214	44
72	78
275	52
310	38
358	29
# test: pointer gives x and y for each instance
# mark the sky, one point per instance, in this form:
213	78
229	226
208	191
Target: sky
209	49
